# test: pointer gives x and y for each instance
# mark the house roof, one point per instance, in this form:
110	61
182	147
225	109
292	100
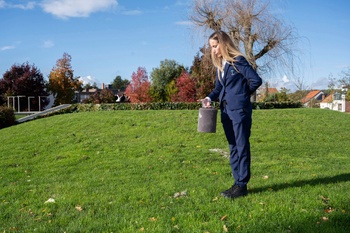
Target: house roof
91	90
328	99
273	90
310	96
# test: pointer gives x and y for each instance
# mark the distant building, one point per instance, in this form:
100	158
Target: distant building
315	95
261	93
80	96
336	101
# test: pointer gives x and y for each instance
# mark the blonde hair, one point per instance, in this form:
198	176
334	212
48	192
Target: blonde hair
227	48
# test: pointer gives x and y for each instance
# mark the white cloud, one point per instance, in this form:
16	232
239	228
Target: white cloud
88	79
285	79
321	83
8	47
77	8
132	12
283	82
28	6
48	44
184	23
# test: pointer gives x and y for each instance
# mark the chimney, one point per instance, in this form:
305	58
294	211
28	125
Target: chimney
103	86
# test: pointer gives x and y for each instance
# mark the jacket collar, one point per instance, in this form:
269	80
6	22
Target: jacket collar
227	65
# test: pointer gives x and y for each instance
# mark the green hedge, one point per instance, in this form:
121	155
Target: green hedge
7	117
132	106
273	105
167	106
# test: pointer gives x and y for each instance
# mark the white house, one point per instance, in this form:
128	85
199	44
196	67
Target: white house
336	102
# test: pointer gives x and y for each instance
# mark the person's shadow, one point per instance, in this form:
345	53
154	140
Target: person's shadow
299	225
300	183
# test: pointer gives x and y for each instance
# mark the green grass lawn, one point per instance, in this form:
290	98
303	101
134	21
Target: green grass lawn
151	171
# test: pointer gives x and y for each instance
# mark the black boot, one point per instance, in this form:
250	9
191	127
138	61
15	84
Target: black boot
235	191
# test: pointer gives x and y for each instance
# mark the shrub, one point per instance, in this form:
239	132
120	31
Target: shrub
274	105
7	117
164	106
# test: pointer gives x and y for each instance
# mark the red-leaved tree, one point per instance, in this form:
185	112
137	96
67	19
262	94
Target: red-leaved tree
138	89
27	81
203	72
186	89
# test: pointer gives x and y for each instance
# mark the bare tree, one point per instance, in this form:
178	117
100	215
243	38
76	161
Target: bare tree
331	82
254	29
299	84
301	89
344	80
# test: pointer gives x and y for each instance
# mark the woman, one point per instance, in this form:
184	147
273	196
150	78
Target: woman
235	81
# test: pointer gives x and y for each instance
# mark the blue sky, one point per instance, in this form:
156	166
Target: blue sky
107	38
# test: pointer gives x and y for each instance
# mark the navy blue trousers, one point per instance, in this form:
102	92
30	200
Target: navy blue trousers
237	125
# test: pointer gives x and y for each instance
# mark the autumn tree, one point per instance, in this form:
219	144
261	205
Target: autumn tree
252	26
27	81
62	82
120	84
139	87
203	72
163	80
186	89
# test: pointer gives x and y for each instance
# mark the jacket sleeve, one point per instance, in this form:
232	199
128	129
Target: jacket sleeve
214	95
254	80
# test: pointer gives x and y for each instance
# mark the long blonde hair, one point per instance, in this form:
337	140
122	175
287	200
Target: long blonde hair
228	50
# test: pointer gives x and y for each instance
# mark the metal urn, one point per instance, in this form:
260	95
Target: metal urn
207	120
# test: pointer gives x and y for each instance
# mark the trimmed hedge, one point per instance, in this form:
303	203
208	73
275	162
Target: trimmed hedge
7	117
161	106
131	106
273	105
167	106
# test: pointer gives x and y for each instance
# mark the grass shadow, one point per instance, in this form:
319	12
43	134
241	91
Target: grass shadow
300	183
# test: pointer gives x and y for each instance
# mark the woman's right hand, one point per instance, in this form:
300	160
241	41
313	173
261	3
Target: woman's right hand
206	103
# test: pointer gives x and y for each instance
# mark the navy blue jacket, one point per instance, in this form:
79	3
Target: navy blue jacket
237	84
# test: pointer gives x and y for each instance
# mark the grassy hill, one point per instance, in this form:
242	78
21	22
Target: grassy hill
151	171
